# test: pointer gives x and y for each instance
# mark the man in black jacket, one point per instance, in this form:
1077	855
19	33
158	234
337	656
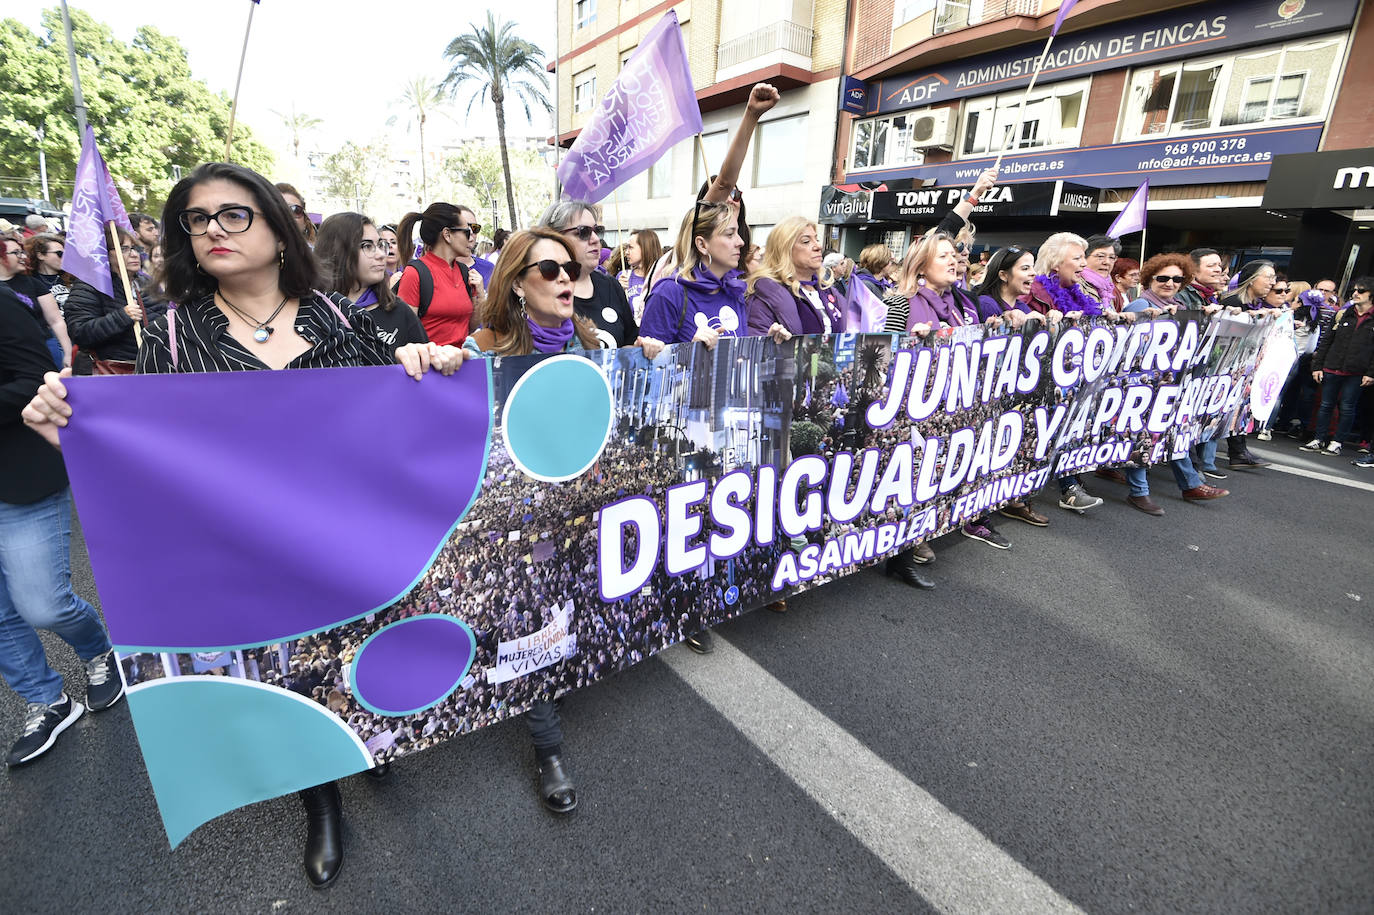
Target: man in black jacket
35	558
1344	365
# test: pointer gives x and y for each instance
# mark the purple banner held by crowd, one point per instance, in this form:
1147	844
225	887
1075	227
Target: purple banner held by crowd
651	106
95	202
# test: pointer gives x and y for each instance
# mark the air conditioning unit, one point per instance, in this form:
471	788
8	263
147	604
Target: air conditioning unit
934	129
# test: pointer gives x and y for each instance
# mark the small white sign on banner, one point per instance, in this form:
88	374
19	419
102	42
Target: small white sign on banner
555	642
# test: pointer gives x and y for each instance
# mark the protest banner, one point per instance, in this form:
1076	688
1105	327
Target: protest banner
592	510
651	106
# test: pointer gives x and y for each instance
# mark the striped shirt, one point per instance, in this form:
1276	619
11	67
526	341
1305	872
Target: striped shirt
204	343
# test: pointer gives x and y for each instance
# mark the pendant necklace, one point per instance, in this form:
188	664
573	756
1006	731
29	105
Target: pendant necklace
263	329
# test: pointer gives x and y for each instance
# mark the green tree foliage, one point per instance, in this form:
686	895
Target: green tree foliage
806	438
474	175
149	114
351	172
493	61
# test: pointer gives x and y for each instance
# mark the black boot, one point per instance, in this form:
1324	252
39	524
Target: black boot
904	566
323	839
556	784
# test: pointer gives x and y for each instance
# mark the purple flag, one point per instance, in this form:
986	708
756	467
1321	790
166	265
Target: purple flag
1132	219
1063	14
866	313
94	203
652	105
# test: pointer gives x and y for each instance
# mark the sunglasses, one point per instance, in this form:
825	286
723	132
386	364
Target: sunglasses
476	228
1359	290
1279	289
585	233
1171	278
549	269
466	230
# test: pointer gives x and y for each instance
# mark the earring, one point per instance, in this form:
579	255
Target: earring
522	305
708	260
200	269
281	259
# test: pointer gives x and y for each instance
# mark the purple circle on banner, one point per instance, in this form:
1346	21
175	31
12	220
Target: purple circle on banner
410	665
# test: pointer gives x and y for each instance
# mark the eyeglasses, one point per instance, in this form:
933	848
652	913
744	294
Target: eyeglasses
127	249
231	219
549	269
17	252
375	247
1171	278
466	230
1282	289
296	209
585	233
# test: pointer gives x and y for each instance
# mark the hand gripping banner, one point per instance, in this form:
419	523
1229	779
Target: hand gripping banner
318	570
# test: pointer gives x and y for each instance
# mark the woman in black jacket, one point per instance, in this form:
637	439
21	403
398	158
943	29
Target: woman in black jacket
1344	365
102	326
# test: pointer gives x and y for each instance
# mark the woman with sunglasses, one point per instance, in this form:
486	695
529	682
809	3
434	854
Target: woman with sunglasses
103	325
246	280
437	284
45	264
296	204
354	264
37	296
596	296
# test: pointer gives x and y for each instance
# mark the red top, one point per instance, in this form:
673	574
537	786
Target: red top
449	317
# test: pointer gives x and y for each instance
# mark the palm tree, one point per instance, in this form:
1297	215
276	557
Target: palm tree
494	62
423	96
297	124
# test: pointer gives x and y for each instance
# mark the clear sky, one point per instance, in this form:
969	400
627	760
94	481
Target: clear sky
343	61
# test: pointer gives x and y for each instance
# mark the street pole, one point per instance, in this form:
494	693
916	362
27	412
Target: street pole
77	99
234	105
43	164
557	86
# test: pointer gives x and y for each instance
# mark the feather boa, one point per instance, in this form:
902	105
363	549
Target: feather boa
1071	299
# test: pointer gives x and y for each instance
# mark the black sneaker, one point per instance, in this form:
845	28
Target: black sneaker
1214	473
701	642
104	684
42	725
975	531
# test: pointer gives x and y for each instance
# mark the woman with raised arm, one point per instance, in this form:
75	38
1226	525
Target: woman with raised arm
246	279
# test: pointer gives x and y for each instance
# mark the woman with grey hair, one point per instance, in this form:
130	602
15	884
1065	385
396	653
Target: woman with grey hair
596	296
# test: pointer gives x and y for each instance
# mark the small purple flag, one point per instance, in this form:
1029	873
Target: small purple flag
652	106
866	313
1063	14
1132	219
94	203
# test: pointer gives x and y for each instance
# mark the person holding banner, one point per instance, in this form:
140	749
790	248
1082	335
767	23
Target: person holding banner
246	278
791	293
35	557
354	263
103	325
1253	282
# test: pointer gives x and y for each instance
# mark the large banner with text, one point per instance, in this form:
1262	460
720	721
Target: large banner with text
306	573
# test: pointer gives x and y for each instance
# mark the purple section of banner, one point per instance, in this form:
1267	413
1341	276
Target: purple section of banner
651	106
1211	158
95	202
157	497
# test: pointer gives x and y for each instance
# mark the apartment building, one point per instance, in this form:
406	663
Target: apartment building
1203	99
796	45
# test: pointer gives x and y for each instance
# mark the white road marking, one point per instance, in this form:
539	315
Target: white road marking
951	864
1324	477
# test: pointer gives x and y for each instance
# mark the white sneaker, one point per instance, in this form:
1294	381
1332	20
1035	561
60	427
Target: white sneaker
1265	435
1333	447
1314	445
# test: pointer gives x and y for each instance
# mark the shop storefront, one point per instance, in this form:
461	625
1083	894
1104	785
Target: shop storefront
1332	195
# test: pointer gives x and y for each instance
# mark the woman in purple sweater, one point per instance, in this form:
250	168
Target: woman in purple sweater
792	293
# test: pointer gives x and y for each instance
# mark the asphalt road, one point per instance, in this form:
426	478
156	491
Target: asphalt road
1121	713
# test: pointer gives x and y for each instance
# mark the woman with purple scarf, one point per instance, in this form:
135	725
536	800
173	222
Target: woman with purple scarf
792	293
1055	293
703	299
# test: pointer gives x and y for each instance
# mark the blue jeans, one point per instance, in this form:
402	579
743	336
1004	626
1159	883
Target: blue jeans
1207	455
1346	390
36	593
1184	475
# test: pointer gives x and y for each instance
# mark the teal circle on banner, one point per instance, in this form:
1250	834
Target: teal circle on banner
557	418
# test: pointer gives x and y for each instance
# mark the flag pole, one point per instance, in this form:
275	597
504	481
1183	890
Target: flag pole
79	103
124	279
234	105
1025	97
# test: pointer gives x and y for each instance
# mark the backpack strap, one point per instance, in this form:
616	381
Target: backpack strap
336	299
426	284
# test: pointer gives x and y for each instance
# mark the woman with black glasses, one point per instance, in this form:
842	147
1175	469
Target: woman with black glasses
354	263
296	204
436	284
246	281
596	296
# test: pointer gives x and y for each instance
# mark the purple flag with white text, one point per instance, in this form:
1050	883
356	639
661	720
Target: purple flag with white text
866	313
651	106
94	203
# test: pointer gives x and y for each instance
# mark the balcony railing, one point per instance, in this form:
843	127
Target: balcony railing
952	15
777	36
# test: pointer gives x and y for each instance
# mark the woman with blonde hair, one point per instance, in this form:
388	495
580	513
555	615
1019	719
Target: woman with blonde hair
703	299
926	295
791	293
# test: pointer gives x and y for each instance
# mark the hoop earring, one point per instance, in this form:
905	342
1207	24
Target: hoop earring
709	262
200	269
